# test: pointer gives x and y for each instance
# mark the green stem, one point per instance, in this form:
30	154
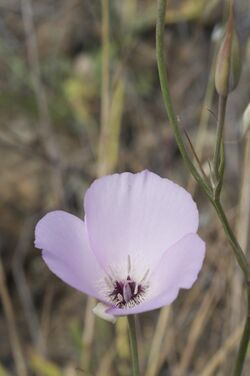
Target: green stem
219	135
239	254
133	345
212	194
244	341
160	25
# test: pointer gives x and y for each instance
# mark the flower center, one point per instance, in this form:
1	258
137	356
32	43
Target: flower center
126	292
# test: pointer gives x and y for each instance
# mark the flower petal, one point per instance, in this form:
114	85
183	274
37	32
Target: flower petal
178	268
180	264
66	251
140	215
101	311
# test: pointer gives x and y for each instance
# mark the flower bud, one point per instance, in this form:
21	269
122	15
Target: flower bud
227	71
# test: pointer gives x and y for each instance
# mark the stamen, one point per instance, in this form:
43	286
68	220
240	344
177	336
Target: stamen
112	274
136	289
126	292
119	297
145	276
129	264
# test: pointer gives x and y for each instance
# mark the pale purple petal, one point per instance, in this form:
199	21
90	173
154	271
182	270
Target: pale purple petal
181	263
140	215
66	251
178	268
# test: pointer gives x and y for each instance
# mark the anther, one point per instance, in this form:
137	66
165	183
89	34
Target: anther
119	298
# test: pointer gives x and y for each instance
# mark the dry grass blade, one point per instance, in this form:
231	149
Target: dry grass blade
222	353
43	367
242	232
3	371
44	129
23	287
160	333
122	346
105	366
202	317
89	322
105	88
242	228
20	364
88	334
111	116
109	139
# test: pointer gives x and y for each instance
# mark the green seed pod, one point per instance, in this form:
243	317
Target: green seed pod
227	73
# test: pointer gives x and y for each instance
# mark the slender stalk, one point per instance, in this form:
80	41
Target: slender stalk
105	63
219	135
239	254
89	320
133	345
160	24
244	341
105	86
218	164
200	140
45	127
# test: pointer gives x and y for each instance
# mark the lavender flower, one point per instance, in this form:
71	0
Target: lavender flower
136	247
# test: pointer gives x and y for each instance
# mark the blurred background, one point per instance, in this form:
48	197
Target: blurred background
79	98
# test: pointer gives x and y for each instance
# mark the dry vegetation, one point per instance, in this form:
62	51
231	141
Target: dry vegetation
80	97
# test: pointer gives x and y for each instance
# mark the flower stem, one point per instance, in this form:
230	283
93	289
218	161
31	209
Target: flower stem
238	252
133	345
213	194
160	25
213	197
244	341
219	134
